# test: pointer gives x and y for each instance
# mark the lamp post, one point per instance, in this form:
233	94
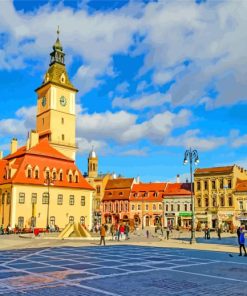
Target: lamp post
190	156
142	213
48	182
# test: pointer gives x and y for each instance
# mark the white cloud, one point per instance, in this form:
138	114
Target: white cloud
142	102
19	127
192	138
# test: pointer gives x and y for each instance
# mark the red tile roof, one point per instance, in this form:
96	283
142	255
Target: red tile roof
177	189
42	155
241	185
148	192
225	169
119	183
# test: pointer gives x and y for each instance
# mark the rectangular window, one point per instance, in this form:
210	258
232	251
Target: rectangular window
190	207
154	207
71	200
160	207
133	207
178	208
230	203
34	198
199	202
198	185
60	199
2	199
222	201
62	120
241	205
83	200
185	207
167	208
21	197
221	184
98	189
229	183
213	185
206	185
63	137
139	207
146	207
172	208
8	198
45	198
206	202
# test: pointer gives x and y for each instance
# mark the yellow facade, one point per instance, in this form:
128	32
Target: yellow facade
33	203
215	198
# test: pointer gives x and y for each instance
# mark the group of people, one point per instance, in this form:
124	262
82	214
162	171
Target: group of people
118	232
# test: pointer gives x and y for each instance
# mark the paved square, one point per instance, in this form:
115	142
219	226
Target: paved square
121	270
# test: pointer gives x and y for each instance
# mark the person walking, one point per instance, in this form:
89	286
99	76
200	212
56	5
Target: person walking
167	232
112	231
126	229
219	232
102	234
242	242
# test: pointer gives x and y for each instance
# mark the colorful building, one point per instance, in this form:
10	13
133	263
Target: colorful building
177	205
146	204
241	202
215	198
115	203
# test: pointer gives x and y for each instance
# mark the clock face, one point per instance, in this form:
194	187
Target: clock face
63	101
43	101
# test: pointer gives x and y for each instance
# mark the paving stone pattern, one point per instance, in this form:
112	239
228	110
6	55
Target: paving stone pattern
121	270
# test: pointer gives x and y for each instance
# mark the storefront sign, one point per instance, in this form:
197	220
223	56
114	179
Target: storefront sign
185	214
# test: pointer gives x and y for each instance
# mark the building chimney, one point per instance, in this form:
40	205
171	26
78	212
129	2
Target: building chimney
178	178
13	145
138	180
34	139
1	154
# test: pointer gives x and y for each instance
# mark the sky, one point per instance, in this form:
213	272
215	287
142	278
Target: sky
154	77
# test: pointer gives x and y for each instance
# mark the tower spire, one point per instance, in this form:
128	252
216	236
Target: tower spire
57	56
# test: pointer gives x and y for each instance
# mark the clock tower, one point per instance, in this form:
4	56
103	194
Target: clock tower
56	118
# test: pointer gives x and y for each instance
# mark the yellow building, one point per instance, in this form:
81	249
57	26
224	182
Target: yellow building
215	199
40	184
241	202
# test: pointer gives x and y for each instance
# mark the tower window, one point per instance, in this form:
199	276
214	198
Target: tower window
43	121
62	120
62	137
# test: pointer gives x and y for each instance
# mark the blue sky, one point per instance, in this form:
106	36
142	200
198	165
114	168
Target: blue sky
154	78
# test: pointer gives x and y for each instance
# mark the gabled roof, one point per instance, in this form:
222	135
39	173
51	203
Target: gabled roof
217	170
42	155
119	183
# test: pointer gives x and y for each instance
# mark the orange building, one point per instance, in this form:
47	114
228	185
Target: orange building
146	204
115	203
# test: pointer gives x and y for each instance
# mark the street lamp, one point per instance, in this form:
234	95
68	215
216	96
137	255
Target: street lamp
190	156
48	182
142	214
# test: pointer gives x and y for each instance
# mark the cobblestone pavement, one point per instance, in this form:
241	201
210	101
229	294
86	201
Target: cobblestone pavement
121	270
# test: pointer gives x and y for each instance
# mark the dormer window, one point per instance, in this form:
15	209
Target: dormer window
155	194
145	194
47	174
76	179
121	193
60	176
29	173
135	194
36	174
70	178
54	175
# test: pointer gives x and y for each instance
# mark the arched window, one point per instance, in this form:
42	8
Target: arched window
29	173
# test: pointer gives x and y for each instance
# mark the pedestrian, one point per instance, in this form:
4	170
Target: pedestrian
127	231
102	234
112	231
147	233
242	242
219	232
208	233
121	230
167	232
